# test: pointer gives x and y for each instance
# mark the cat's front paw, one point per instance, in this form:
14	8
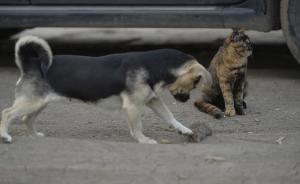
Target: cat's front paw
230	112
240	111
244	105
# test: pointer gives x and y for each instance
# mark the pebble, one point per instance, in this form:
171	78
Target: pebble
256	120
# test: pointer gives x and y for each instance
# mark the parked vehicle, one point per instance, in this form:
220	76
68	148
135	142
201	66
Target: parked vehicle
261	15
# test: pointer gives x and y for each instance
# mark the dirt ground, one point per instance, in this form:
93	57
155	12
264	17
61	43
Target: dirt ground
273	110
262	147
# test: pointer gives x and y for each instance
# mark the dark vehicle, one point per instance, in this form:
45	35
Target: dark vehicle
261	15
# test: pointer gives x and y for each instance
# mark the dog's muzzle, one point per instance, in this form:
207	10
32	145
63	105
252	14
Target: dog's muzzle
182	97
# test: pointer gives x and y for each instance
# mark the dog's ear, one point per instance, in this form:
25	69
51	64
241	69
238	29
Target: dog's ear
197	80
200	74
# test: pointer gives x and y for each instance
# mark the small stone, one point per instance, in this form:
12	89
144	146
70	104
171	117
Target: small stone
237	120
214	158
256	120
165	141
280	139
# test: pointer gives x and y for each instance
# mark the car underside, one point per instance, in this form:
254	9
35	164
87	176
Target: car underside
260	15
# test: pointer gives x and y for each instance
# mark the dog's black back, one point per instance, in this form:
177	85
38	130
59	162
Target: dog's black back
93	78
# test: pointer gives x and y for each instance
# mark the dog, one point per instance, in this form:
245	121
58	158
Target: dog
134	78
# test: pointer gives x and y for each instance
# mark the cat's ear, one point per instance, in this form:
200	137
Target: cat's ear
238	30
235	30
235	35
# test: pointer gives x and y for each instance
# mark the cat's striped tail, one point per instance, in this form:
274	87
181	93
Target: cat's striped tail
209	108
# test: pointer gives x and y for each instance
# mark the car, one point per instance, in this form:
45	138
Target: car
260	15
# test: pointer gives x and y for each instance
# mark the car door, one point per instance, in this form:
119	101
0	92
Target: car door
134	2
14	2
249	14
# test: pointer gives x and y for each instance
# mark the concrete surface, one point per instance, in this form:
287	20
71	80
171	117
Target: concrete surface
201	43
69	161
142	36
86	144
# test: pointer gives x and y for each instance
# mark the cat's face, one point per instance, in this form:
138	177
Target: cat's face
241	42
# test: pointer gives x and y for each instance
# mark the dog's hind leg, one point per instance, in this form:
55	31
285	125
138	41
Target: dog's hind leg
134	120
160	108
135	125
29	121
22	107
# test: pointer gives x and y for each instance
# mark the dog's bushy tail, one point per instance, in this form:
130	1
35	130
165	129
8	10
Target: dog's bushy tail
33	55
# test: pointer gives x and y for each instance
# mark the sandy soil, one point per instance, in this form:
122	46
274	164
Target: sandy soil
273	109
85	144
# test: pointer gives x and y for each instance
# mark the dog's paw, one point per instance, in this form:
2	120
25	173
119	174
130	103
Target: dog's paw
151	141
181	129
6	138
40	134
185	131
147	140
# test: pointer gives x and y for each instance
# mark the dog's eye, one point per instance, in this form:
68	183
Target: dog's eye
196	81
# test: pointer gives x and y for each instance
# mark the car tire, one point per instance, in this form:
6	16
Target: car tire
290	24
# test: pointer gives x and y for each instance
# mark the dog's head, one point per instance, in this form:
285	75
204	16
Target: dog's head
240	42
189	76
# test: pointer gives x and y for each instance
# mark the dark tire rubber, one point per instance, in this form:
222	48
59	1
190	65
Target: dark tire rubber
290	23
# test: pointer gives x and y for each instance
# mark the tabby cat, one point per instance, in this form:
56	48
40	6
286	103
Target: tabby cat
229	86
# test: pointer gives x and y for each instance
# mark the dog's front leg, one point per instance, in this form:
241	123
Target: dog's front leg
160	108
135	125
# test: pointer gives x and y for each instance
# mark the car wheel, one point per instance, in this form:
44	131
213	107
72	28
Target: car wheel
290	24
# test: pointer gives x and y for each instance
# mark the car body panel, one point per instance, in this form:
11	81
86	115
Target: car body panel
135	2
14	2
249	14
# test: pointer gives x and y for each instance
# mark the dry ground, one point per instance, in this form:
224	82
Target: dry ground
85	144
